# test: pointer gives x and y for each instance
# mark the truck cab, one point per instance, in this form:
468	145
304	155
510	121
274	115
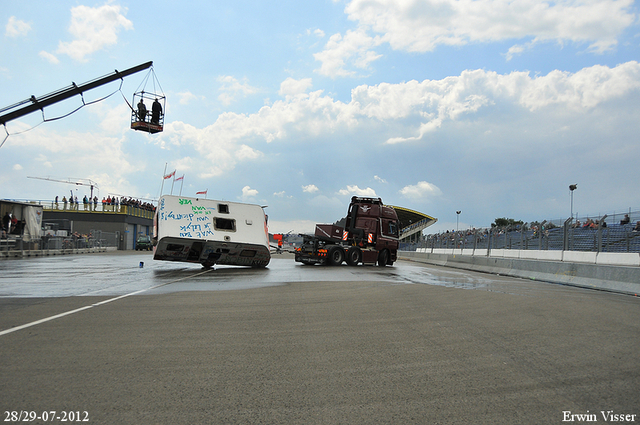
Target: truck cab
370	236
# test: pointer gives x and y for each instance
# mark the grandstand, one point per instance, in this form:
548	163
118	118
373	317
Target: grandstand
412	223
612	232
613	238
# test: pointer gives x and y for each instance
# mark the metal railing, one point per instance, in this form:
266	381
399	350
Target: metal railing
132	210
96	240
585	234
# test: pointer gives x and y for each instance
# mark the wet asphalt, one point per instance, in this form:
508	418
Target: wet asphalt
292	344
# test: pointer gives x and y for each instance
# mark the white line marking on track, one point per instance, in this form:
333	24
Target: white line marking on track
77	310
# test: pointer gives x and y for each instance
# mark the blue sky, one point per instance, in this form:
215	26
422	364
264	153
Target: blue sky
491	107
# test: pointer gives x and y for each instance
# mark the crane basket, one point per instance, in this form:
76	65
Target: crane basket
147	112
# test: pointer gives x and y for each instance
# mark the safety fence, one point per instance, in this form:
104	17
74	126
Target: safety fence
97	240
585	234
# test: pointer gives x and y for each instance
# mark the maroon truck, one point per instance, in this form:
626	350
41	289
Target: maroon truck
370	236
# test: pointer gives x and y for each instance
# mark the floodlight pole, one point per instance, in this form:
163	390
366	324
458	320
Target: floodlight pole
572	187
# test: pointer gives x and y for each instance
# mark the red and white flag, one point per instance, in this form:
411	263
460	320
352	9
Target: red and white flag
180	178
202	193
168	176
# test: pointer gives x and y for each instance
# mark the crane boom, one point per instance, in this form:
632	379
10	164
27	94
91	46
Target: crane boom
49	99
77	183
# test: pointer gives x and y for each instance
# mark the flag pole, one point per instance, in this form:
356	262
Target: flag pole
174	180
181	184
163	174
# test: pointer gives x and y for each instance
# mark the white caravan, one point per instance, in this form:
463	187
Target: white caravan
209	232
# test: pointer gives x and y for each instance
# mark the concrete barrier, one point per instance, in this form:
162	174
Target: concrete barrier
579	257
618	259
584	273
511	253
496	253
541	255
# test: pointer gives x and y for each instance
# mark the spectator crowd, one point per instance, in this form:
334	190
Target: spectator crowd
109	203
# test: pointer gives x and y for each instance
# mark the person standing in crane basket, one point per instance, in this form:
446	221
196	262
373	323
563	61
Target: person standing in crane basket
156	110
142	110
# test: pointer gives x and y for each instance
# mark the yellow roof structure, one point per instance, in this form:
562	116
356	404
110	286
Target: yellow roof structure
412	222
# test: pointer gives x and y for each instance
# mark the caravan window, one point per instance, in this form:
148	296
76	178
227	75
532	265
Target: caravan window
224	224
223	208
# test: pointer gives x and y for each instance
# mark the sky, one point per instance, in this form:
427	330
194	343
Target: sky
488	107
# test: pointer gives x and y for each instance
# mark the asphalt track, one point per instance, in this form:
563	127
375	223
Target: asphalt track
409	344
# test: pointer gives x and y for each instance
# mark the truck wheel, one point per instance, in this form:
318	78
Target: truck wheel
353	256
383	258
336	256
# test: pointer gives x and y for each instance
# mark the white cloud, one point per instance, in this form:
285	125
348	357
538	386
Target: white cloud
379	179
312	188
410	111
421	26
184	98
355	190
248	193
16	28
437	102
44	161
342	52
246	152
94	29
232	89
421	191
51	58
112	120
317	32
293	87
514	50
17	167
181	165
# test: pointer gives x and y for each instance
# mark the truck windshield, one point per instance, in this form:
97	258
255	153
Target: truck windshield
390	228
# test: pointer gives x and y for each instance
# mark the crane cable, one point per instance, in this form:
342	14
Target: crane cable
153	81
143	84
